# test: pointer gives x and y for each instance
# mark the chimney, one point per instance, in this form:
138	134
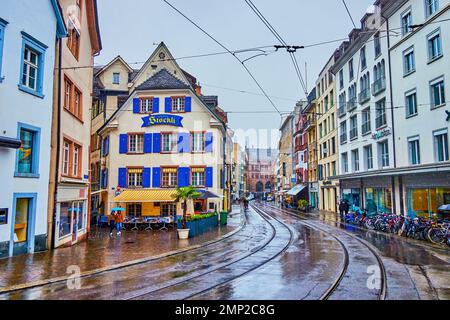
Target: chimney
198	89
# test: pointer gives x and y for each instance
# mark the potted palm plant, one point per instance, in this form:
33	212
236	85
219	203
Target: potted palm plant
182	195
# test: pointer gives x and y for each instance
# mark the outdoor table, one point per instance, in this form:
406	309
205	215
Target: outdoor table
150	220
136	221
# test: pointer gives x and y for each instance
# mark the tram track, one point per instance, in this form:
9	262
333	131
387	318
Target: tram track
184	282
344	272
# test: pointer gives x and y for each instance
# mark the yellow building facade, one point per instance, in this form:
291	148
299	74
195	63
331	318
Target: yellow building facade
328	155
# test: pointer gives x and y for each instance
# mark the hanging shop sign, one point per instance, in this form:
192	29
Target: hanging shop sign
381	134
162	119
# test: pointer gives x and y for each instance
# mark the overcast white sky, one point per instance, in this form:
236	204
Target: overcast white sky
132	28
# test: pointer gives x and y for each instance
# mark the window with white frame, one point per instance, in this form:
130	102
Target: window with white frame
344	162
355	160
363	58
76	161
134	177
169	142
198	141
178	104
414	150
377	44
437	92
198	177
116	78
406	22
411	103
66	158
431	7
30	68
353	127
169	177
3	24
380	112
350	70
146	105
409	64
434	45
343	130
341	79
366	127
383	148
368	157
441	145
136	143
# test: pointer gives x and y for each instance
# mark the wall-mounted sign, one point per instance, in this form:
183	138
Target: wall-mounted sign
162	119
3	215
381	134
448	115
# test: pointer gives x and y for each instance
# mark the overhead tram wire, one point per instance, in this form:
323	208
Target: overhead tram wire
349	14
230	52
291	50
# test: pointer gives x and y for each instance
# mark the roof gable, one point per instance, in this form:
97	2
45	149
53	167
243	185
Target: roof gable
161	58
119	59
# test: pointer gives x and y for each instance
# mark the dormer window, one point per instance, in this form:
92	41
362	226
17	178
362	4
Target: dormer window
116	78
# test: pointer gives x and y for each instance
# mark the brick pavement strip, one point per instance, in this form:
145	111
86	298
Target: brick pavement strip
37	283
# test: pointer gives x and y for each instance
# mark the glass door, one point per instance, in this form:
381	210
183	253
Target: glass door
21	226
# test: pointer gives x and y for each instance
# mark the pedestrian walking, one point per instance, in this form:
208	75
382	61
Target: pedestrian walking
341	208
119	221
346	207
112	222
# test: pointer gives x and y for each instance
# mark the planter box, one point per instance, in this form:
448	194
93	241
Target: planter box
199	227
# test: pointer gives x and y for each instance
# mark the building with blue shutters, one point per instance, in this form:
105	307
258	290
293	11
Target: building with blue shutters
28	30
164	135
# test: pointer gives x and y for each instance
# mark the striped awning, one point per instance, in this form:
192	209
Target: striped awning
146	195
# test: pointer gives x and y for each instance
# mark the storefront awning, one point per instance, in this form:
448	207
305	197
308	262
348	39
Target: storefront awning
207	194
149	195
296	190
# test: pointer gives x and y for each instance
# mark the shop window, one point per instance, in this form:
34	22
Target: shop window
353	198
426	202
168	209
378	200
64	218
134	209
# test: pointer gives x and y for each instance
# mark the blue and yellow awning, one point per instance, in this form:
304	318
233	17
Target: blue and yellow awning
146	195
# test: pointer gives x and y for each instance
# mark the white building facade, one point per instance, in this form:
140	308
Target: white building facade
364	119
28	30
420	55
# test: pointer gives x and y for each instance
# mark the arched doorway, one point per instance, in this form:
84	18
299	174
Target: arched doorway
259	186
268	186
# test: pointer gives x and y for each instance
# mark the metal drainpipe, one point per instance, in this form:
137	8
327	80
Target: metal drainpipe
58	142
394	201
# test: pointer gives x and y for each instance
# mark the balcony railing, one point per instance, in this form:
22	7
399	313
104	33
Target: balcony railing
351	104
380	120
364	96
365	128
379	86
341	110
353	133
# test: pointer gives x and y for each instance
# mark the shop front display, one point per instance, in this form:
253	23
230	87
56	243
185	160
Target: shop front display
378	200
428	202
353	197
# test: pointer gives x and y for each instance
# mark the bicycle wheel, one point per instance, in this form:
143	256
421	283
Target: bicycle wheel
436	235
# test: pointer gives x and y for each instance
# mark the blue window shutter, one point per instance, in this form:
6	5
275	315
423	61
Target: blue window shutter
107	146
105	185
102	148
101	179
187	104
146	178
184	142
136	106
156	177
148	142
157	142
183	176
222	179
209	177
122	177
123	143
155	105
208	142
168	105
